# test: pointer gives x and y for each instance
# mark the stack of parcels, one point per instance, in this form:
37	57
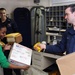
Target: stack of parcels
66	64
14	37
20	55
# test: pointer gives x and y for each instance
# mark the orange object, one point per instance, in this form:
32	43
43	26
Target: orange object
37	47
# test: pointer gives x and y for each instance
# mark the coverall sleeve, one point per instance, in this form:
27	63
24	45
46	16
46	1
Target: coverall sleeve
3	61
14	26
58	48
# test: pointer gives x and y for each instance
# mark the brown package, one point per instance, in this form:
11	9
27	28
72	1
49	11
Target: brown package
14	37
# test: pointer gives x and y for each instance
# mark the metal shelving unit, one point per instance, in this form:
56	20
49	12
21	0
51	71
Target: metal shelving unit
55	16
55	21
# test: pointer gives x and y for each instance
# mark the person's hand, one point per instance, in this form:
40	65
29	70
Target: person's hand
41	46
26	67
7	47
13	66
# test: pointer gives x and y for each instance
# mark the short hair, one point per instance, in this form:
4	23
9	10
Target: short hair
2	26
2	9
72	7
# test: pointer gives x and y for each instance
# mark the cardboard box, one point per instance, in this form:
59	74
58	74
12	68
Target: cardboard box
14	37
66	64
20	55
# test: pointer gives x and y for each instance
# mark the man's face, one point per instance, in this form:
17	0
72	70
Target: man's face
2	32
69	16
3	13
